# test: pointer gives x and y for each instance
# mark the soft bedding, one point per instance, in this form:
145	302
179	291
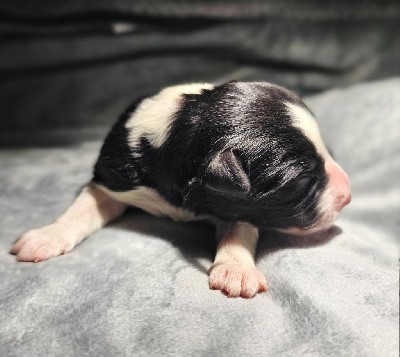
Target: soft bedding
139	286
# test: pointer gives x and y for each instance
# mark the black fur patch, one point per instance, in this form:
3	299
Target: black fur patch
116	167
280	173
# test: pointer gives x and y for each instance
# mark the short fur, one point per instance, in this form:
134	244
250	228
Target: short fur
249	124
249	154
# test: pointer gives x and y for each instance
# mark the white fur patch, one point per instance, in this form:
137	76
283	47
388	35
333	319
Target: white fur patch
239	244
303	120
327	216
150	201
91	210
153	117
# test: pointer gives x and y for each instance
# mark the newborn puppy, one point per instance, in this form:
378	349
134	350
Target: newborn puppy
245	153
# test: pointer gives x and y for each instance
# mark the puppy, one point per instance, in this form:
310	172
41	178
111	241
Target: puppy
245	153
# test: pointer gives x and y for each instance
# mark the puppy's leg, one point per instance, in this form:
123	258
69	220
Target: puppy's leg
234	271
91	210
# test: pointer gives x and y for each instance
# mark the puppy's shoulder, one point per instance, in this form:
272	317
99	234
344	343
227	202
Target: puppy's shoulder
125	158
154	116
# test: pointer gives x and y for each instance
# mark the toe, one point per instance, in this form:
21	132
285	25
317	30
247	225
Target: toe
233	283
235	279
262	282
249	285
19	243
217	277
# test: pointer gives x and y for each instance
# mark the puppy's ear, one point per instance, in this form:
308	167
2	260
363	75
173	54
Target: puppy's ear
225	173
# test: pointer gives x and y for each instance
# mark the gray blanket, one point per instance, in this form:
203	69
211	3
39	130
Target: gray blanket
139	286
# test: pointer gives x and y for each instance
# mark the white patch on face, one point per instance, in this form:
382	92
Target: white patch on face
303	120
327	216
153	117
152	202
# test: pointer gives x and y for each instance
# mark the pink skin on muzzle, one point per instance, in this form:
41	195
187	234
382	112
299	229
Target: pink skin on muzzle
339	184
336	196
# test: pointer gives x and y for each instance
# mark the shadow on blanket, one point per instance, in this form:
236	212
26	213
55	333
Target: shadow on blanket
197	242
272	241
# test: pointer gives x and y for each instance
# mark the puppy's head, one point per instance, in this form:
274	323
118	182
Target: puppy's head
263	160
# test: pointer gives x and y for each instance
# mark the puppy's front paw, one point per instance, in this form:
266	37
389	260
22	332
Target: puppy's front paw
235	279
41	244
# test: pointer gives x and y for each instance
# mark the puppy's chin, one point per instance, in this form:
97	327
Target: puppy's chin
323	223
328	211
307	231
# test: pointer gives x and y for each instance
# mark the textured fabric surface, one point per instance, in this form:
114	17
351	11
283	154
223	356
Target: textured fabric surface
79	63
139	286
237	9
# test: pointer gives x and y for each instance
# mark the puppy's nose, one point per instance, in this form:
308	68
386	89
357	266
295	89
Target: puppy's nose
342	200
340	184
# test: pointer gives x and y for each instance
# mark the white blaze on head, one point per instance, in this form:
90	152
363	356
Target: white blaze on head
303	120
337	193
153	117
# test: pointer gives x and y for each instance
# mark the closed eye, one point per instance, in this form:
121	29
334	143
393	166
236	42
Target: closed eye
304	182
297	188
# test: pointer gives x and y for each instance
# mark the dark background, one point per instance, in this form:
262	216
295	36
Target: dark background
79	63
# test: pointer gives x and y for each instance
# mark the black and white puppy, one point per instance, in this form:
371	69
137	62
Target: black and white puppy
245	153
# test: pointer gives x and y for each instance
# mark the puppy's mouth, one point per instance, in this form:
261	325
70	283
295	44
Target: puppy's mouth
326	218
321	225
